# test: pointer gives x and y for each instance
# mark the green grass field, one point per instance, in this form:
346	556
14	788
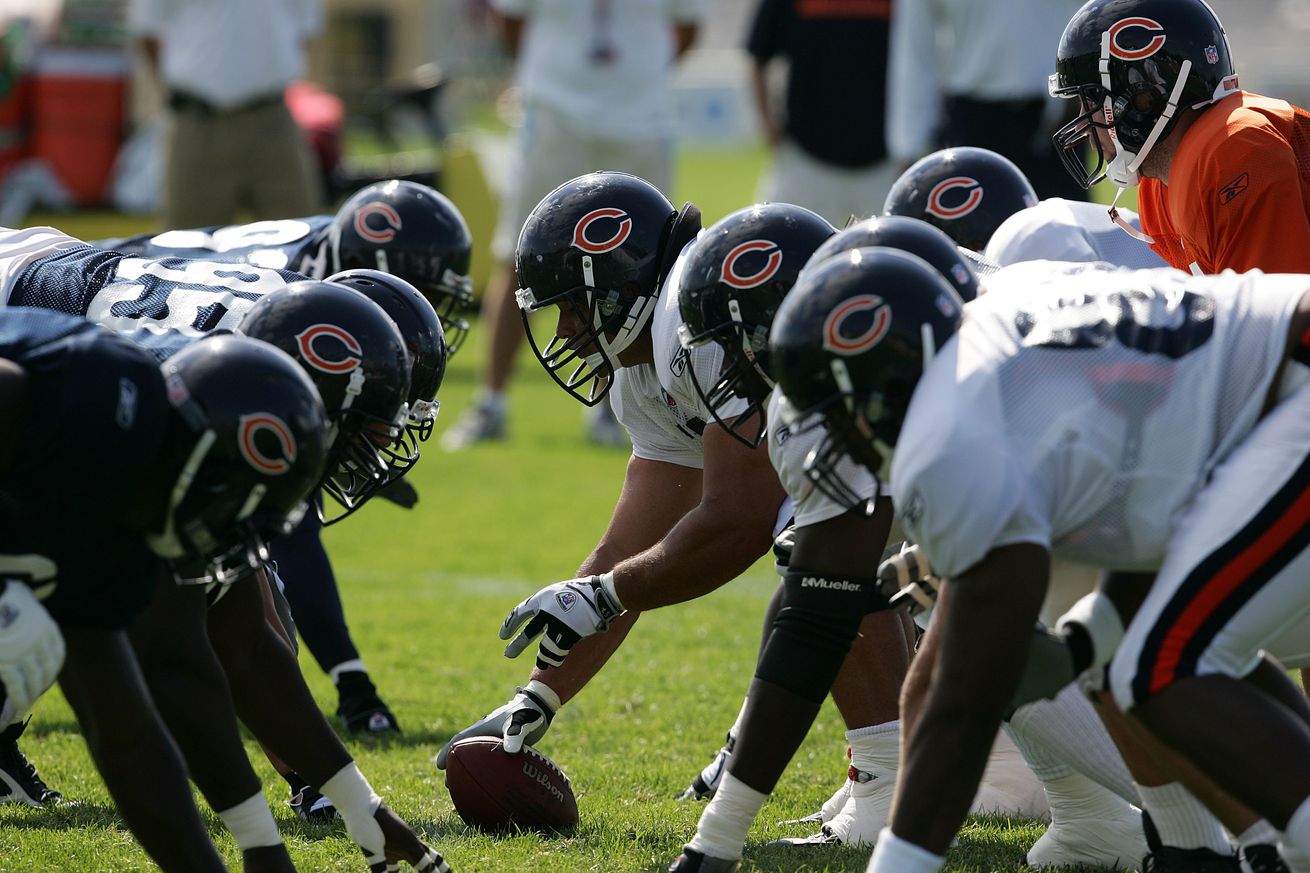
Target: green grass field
425	591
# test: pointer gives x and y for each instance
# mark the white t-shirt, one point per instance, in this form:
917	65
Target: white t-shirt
1041	421
228	52
788	449
606	65
1070	230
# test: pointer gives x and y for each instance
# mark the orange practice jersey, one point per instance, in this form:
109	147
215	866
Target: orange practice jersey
1239	191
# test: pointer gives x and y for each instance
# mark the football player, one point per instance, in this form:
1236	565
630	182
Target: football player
357	358
700	501
1117	363
1219	171
403	228
106	460
964	191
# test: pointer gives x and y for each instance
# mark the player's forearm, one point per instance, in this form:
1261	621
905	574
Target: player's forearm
586	659
703	552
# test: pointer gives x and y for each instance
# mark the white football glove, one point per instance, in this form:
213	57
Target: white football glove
31	647
561	614
521	722
906	579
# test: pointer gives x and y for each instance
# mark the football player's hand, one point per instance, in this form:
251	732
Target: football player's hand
31	646
521	722
403	845
561	614
906	579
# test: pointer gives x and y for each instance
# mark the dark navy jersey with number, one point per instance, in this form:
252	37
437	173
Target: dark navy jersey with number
296	244
165	302
92	425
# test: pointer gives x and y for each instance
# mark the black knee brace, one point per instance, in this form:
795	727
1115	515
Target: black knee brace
813	631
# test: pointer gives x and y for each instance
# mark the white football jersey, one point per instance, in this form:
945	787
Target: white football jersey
789	446
1069	230
657	403
1081	407
19	249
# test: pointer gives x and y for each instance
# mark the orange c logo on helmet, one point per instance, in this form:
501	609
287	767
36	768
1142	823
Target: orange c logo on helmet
1148	24
310	339
390	222
729	274
841	342
955	183
248	426
583	241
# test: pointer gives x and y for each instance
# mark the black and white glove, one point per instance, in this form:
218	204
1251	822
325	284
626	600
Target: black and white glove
561	614
521	722
908	581
31	646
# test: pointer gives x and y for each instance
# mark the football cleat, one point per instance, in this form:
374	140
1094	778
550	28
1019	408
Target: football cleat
481	424
1090	843
1167	859
707	780
834	804
692	861
1263	858
865	812
19	781
310	805
359	706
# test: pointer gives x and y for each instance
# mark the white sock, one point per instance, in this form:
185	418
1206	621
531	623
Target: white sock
251	823
355	666
1075	798
1182	821
721	831
894	855
1057	735
1297	833
735	730
1262	833
876	749
492	401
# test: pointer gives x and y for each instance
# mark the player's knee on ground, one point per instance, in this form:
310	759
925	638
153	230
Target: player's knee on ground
813	630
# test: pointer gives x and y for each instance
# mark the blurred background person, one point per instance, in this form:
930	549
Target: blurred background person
829	151
594	78
232	144
968	73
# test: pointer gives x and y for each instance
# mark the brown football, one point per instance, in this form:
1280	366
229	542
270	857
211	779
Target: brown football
495	791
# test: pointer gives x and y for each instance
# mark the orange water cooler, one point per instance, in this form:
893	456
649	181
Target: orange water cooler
78	116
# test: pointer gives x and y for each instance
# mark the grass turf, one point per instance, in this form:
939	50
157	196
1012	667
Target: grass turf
425	591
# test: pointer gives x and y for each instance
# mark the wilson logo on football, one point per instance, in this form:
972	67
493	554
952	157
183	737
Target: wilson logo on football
733	275
377	222
844	330
955	197
1153	45
329	348
275	433
585	238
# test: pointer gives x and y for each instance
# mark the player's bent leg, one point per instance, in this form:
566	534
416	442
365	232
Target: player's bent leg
1233	580
135	755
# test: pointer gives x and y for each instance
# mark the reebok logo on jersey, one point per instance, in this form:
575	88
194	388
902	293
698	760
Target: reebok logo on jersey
259	432
1229	192
1152	28
125	415
586	239
737	277
955	197
856	325
830	584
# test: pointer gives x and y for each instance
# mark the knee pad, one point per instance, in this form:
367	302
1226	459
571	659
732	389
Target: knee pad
813	631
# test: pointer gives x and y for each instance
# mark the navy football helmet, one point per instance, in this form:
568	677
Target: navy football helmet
850	343
413	232
734	277
356	357
1135	65
597	247
250	446
965	191
424	338
909	235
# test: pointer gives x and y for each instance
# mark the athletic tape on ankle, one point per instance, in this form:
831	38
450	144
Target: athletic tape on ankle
251	823
894	855
356	801
721	832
